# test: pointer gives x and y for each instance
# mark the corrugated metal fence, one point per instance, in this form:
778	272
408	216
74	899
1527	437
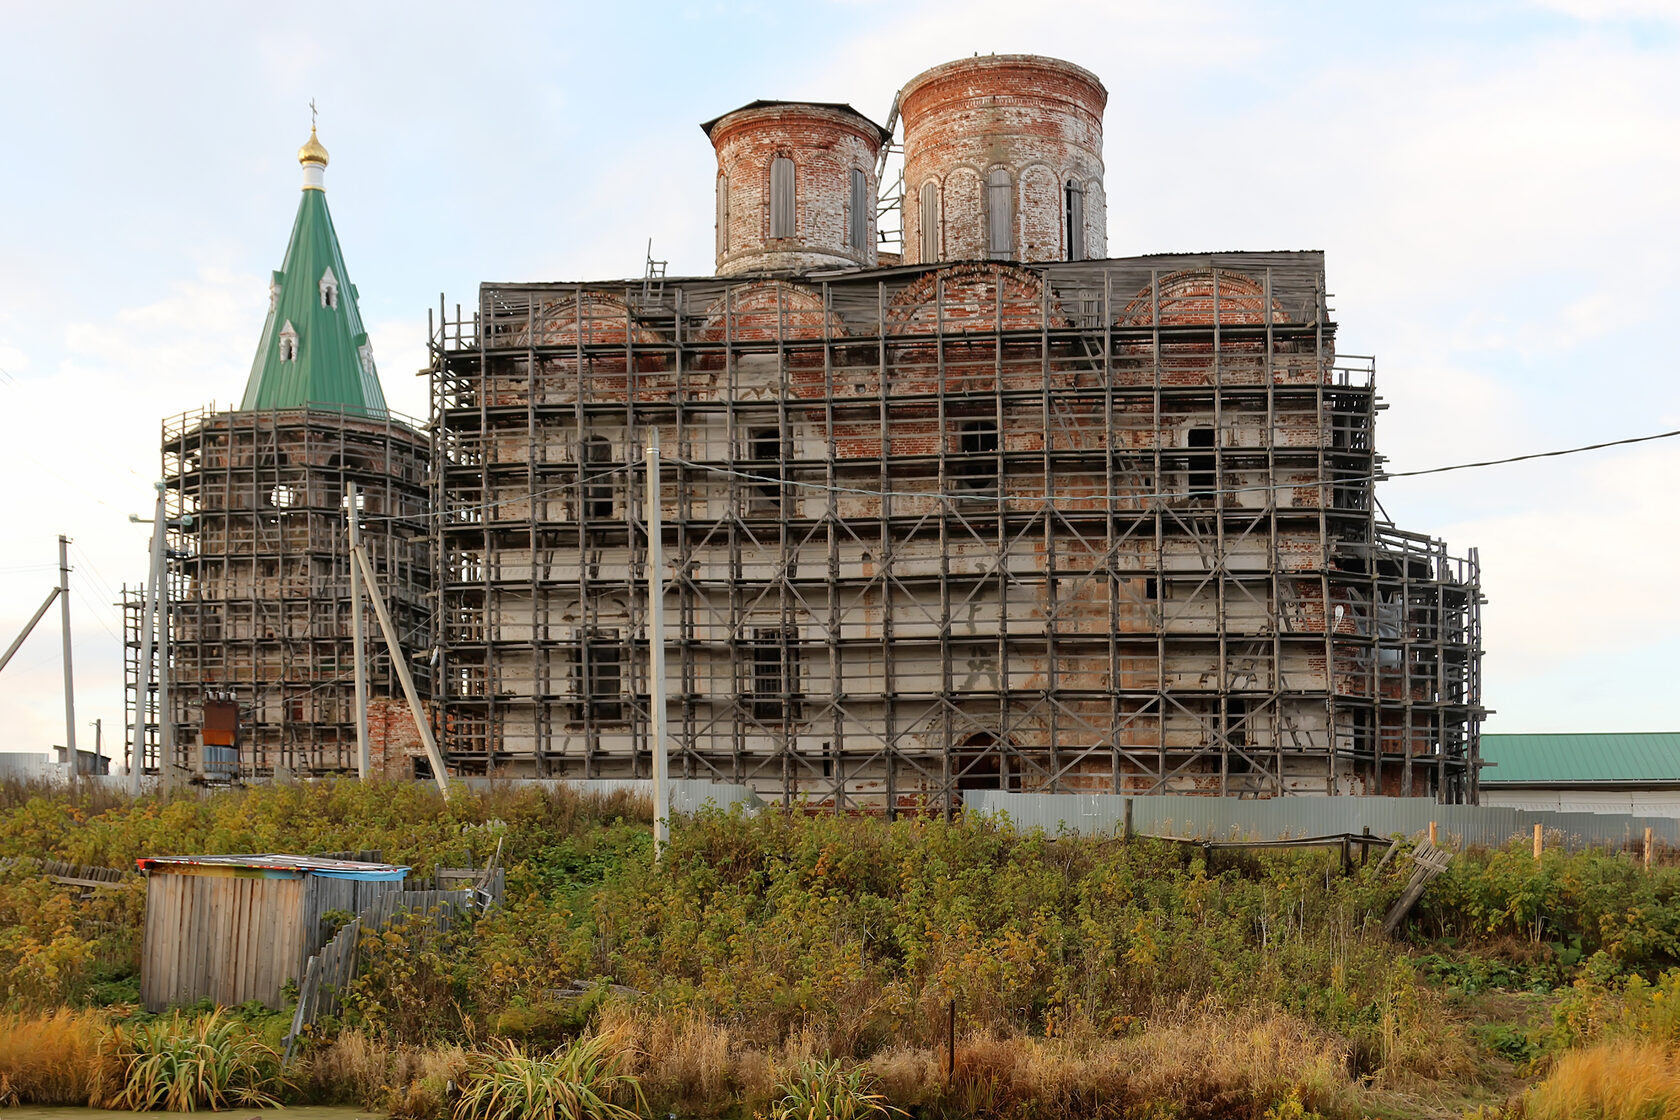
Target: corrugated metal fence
1281	817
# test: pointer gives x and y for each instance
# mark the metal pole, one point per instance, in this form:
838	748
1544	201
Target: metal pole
364	760
69	676
28	627
143	686
656	648
401	666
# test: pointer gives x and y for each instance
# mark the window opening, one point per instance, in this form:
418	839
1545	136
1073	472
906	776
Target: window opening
1074	194
764	449
598	671
597	481
1000	214
860	211
288	342
781	197
1203	467
978	467
329	289
930	222
775	673
1235	729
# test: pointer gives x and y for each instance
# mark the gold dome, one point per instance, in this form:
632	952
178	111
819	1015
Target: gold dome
313	151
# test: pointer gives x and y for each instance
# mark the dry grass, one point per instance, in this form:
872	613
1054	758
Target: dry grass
53	1059
1624	1080
407	1082
1201	1061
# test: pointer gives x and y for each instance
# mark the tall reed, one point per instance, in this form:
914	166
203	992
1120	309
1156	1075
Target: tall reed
1621	1080
52	1059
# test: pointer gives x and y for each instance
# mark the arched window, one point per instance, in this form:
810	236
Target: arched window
930	222
781	197
722	215
288	342
1074	195
860	211
1000	214
329	289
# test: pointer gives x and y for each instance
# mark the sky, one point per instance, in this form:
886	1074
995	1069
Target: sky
1494	185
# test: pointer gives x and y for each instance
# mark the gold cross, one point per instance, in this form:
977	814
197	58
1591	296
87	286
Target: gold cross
312	114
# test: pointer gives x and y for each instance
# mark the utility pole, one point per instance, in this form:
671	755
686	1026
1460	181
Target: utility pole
69	684
148	630
98	743
364	760
656	648
166	713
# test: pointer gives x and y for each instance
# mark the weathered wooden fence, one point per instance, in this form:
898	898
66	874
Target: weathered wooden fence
78	875
330	970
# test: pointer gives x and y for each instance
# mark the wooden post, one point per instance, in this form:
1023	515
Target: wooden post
1432	842
1539	839
1649	845
400	664
951	1043
69	681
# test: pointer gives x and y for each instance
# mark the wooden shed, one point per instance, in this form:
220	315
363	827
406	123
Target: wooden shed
236	928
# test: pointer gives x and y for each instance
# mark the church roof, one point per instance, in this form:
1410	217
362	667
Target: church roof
314	349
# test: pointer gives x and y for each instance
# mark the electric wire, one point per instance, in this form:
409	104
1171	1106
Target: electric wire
869	492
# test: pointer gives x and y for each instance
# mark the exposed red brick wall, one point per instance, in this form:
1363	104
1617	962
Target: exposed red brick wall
393	740
1038	118
825	144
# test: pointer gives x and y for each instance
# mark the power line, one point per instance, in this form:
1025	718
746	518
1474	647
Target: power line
976	497
1208	491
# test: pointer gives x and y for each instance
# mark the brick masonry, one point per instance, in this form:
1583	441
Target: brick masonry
393	740
1039	119
825	144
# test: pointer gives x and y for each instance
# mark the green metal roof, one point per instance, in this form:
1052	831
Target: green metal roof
332	363
1628	758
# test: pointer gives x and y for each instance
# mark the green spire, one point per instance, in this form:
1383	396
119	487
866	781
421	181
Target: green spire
314	350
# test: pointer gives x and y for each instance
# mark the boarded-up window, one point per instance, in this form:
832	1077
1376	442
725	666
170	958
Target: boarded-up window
930	222
722	215
860	211
1075	209
781	197
1000	214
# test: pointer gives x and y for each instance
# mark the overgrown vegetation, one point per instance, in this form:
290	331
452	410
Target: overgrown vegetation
807	965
